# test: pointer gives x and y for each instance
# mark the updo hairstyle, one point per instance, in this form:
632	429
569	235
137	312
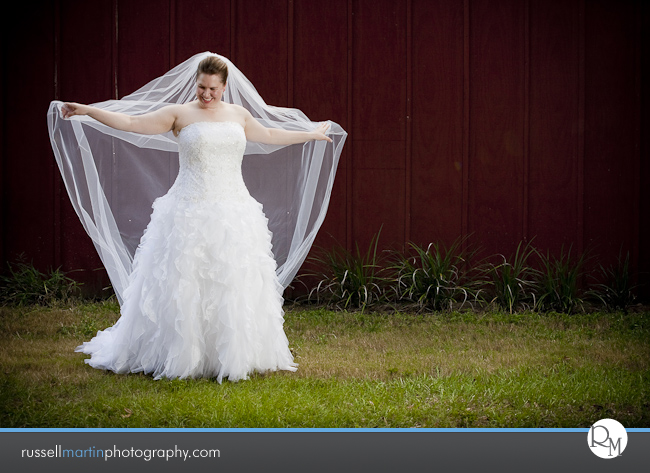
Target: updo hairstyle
212	65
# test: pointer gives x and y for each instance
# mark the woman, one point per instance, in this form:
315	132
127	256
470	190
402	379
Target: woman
203	298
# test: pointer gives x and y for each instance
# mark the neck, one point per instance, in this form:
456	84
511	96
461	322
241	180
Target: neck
214	106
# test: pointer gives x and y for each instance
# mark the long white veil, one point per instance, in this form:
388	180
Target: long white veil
113	177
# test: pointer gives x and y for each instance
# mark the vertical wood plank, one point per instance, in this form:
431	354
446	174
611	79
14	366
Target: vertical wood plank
290	51
497	106
466	120
27	172
261	47
57	183
611	150
378	122
581	127
554	161
350	104
202	25
644	147
525	194
437	122
85	75
408	148
320	89
143	41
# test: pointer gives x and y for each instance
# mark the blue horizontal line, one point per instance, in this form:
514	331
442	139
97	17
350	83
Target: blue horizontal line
235	430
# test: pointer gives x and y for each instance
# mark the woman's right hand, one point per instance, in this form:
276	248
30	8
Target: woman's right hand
70	109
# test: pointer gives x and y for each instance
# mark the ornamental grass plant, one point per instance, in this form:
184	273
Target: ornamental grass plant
511	282
613	287
558	286
23	284
436	277
349	279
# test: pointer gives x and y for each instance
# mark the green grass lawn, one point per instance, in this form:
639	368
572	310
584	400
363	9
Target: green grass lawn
390	369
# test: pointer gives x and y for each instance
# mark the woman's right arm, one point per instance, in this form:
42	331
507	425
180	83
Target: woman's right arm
153	123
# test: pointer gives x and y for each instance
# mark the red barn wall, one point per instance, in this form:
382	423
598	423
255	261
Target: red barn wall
500	119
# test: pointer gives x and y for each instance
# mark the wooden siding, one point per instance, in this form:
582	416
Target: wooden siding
500	119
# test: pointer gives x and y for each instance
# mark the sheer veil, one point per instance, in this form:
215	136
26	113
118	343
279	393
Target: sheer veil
113	177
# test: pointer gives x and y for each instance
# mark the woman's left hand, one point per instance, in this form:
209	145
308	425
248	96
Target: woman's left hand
320	132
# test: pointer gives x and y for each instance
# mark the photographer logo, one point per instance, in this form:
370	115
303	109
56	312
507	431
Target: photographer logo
607	438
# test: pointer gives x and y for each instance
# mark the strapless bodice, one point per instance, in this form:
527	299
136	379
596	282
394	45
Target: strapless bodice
210	159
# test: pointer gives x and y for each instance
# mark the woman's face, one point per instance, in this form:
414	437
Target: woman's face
209	89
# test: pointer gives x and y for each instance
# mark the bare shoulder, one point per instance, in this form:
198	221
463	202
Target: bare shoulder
239	111
169	114
183	115
179	111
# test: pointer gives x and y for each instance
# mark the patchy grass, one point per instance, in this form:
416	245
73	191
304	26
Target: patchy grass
394	369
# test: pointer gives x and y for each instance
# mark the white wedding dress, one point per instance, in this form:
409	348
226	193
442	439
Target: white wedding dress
203	299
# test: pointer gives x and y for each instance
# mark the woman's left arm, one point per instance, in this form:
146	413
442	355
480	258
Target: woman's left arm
257	132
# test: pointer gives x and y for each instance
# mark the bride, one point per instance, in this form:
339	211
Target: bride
203	297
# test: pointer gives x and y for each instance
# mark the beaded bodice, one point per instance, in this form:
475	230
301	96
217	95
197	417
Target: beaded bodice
210	158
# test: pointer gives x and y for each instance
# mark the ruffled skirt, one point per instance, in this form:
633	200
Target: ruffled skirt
203	299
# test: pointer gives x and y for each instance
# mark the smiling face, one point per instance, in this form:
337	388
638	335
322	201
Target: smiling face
209	90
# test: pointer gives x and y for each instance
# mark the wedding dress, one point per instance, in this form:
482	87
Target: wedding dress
203	300
199	280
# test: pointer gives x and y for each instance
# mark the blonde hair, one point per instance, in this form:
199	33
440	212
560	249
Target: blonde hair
212	65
